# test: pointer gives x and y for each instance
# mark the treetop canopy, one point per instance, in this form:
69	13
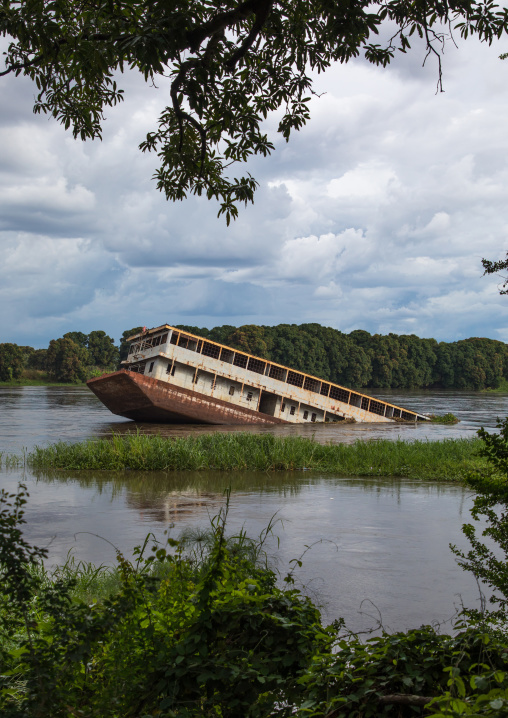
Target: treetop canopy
226	65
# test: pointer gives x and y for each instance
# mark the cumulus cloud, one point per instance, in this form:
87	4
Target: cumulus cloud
376	215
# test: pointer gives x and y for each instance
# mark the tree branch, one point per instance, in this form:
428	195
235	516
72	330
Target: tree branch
261	16
22	65
221	22
181	115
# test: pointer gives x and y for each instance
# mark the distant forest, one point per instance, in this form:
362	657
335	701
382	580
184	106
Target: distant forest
360	359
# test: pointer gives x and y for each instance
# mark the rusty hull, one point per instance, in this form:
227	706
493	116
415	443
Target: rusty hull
142	398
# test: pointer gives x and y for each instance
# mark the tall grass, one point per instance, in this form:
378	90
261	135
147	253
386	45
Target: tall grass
11	461
448	459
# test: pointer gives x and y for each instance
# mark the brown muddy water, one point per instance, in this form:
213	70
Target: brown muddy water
373	547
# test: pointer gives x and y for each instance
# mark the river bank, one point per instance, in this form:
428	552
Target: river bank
35	377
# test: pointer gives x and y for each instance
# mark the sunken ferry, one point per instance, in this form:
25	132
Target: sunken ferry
172	376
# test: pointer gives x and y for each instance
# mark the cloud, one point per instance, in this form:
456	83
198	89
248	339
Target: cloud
376	215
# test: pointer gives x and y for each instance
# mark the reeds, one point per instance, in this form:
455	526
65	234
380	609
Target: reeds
11	461
448	459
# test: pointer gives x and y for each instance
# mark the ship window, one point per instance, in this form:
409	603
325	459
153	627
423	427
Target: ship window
305	414
151	366
240	360
139	367
376	407
276	372
164	338
295	379
231	390
313	417
226	355
174	338
210	350
283	407
325	388
311	384
173	370
168	368
340	394
292	412
187	342
249	396
257	366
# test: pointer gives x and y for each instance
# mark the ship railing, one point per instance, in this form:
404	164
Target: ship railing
291	377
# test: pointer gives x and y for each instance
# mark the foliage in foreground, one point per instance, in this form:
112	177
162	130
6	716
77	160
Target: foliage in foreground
449	459
207	632
488	561
224	66
183	635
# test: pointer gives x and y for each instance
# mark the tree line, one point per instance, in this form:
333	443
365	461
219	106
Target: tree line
361	359
357	359
73	358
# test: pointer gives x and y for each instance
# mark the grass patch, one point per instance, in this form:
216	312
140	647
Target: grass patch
448	418
448	459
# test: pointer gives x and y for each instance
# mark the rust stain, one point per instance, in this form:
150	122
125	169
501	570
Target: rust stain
143	398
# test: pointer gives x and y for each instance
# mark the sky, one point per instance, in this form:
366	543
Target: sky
375	216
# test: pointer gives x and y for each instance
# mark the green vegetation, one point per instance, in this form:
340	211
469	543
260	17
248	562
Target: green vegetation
11	362
204	627
448	418
502	388
66	361
72	359
488	564
35	377
360	359
449	459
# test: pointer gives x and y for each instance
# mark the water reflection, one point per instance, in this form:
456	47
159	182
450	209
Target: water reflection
384	540
149	489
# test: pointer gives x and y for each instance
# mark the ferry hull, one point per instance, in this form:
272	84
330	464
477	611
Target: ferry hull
142	398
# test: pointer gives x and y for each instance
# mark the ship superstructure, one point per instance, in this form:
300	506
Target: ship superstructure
173	376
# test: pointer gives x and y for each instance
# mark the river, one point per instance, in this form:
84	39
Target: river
377	547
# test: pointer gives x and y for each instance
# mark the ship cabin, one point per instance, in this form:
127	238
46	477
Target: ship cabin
213	370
